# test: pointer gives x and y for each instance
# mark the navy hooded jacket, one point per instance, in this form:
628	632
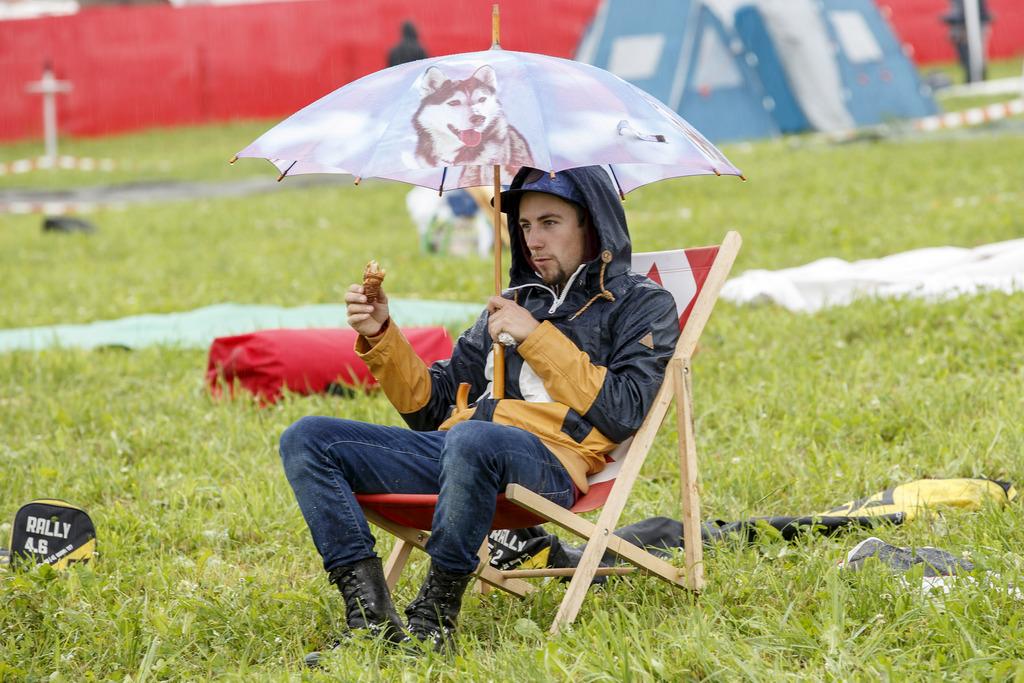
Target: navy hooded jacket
583	380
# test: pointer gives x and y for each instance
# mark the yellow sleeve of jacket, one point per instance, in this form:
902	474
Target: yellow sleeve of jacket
614	394
402	374
566	371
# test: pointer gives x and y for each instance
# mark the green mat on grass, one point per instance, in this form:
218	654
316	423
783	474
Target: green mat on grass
196	329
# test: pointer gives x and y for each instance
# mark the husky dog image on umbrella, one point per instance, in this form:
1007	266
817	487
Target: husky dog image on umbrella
461	123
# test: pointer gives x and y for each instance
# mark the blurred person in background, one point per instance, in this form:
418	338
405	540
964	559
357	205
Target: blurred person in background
408	49
956	20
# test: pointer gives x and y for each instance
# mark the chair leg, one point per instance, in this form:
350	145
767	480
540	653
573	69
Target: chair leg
397	560
620	547
418	539
484	554
694	545
612	510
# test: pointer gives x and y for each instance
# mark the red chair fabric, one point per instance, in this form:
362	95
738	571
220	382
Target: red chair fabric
416	510
304	361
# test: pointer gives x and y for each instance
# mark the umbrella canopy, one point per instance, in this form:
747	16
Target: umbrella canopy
448	122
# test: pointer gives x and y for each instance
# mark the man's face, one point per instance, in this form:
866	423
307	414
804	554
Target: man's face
553	234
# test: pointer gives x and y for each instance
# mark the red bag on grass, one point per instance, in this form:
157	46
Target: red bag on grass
306	361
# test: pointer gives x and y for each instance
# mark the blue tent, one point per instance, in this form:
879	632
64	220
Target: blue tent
756	68
763	57
881	83
830	64
683	54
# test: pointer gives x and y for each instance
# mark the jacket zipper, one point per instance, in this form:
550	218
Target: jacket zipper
558	299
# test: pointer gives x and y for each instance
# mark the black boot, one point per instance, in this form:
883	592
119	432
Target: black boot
434	613
368	606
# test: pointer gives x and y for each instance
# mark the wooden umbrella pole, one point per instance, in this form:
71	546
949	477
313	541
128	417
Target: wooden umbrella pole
499	350
497	229
495	26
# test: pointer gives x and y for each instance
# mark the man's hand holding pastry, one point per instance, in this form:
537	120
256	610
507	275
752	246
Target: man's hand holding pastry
367	303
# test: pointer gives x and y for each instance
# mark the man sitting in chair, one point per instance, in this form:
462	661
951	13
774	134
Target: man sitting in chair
588	342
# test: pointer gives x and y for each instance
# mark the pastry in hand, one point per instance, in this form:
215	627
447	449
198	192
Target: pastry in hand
373	275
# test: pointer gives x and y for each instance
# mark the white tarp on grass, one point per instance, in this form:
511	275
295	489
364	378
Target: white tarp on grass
935	272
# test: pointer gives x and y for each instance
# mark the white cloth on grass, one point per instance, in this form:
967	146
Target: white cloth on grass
934	272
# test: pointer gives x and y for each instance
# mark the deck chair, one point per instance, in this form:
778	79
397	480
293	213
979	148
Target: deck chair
694	277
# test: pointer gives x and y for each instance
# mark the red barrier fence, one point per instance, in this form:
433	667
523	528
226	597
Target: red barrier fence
137	67
919	24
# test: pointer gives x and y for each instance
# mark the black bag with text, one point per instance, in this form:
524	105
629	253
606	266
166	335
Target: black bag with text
53	532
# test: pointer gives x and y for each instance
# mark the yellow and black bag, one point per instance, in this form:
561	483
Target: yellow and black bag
53	532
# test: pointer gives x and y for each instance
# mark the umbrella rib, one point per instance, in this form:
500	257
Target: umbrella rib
622	195
281	177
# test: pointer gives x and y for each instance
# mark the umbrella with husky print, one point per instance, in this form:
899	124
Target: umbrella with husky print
469	119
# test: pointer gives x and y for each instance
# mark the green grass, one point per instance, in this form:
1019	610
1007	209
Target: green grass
206	570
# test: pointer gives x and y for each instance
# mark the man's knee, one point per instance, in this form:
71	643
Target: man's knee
467	445
300	438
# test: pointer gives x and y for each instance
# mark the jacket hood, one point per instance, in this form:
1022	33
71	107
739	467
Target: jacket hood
609	220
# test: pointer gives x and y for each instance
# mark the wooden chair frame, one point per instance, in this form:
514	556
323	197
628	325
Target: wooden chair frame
599	537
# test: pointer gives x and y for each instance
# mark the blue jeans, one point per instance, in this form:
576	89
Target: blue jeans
329	460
